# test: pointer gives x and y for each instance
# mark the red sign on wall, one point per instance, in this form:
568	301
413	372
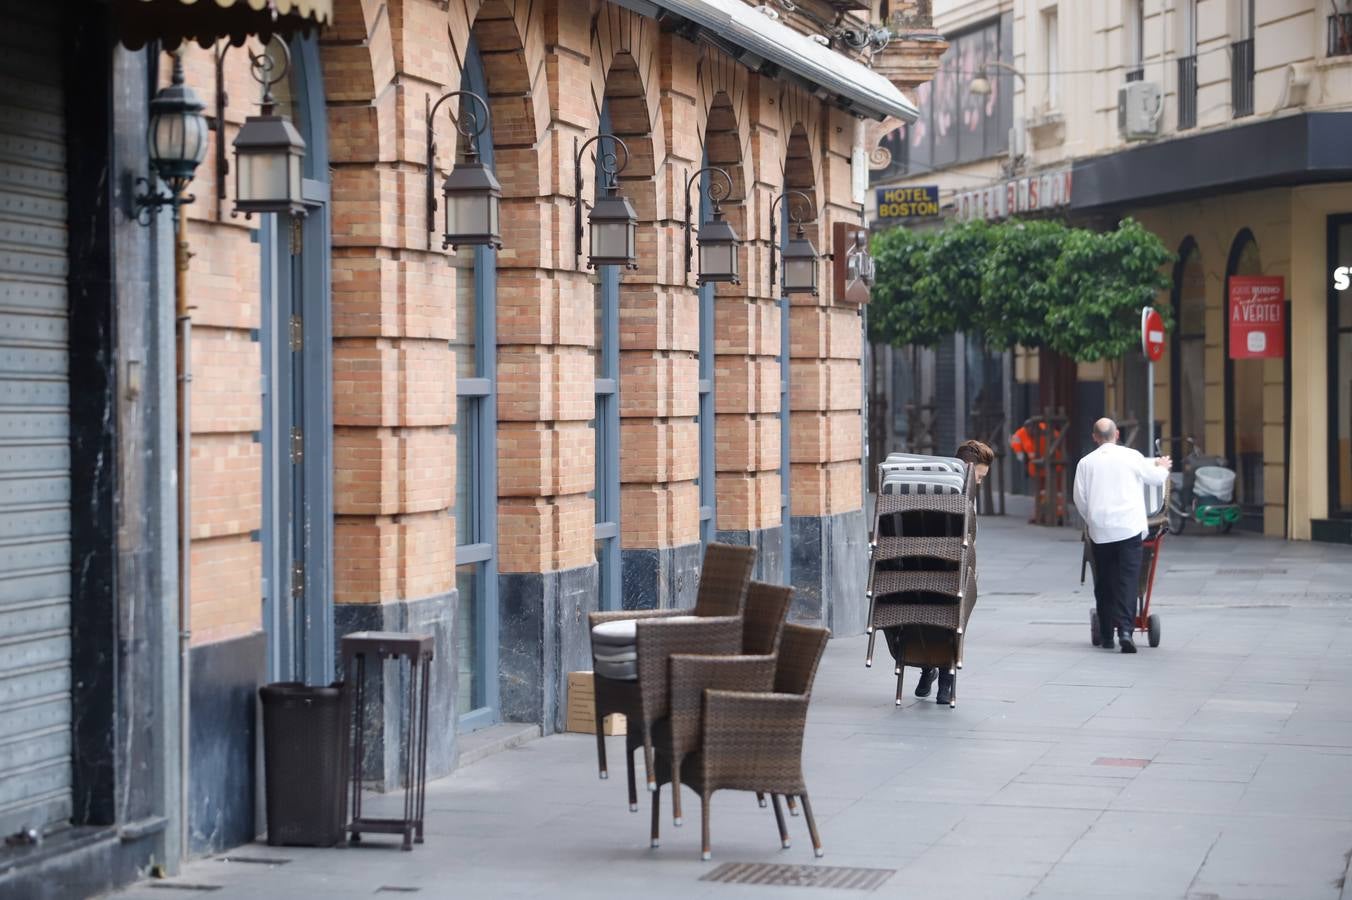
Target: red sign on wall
1257	317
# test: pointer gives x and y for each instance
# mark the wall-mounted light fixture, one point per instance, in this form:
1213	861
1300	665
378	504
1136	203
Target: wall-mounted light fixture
472	193
613	221
718	242
176	142
800	257
268	148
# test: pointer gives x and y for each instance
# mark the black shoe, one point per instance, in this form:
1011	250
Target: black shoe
1128	645
945	695
922	688
1106	640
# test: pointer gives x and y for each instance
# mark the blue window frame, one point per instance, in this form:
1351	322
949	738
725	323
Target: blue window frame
476	573
707	418
297	400
606	423
785	468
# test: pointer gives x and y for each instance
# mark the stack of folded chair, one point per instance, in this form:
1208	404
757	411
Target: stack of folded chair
922	562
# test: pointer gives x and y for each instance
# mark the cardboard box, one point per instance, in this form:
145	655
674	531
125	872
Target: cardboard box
582	707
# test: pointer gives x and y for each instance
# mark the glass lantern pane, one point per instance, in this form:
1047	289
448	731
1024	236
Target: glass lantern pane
608	240
716	260
294	190
166	142
631	230
798	274
468	214
195	147
262	176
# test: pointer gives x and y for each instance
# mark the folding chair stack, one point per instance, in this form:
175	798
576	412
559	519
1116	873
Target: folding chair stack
922	565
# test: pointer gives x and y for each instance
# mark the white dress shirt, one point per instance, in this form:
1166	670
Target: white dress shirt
1110	492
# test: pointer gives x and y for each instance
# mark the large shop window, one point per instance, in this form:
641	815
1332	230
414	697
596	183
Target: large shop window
606	423
956	125
476	477
1340	370
1188	376
708	471
1244	399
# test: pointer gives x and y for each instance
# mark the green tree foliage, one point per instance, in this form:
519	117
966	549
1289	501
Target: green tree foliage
1039	284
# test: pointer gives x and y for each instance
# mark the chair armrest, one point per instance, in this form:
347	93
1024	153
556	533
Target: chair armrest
596	618
692	675
745	734
658	641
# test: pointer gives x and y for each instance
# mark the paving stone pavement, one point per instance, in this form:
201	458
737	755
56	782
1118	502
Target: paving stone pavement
1216	766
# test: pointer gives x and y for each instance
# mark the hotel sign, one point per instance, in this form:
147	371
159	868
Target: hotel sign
1016	197
920	202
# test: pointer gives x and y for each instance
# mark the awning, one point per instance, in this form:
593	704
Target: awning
761	43
171	22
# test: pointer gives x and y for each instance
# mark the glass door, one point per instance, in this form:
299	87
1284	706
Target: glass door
1340	370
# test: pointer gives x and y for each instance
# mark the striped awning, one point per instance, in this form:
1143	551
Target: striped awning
171	22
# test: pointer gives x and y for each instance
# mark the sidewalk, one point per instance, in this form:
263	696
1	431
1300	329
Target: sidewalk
1216	766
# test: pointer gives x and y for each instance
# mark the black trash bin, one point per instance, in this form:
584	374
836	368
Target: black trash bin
303	760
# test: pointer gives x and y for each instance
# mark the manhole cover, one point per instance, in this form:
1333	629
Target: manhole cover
779	875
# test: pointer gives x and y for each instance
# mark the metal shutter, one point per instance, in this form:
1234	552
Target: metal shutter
35	580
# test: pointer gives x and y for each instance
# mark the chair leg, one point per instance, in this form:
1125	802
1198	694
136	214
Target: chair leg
601	748
779	819
633	776
868	660
676	791
706	852
760	799
953	693
648	761
793	804
812	827
657	816
901	677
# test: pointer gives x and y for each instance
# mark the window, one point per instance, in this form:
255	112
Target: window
606	424
1051	58
1134	25
955	124
708	471
1187	68
1241	63
1188	378
475	348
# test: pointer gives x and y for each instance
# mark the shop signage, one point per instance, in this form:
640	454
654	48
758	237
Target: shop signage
920	202
1152	334
851	265
1257	317
1030	194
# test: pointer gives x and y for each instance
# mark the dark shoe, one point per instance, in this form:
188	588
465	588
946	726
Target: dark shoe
1128	645
945	695
1106	640
922	689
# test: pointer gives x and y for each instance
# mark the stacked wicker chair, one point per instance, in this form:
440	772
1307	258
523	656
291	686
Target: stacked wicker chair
748	737
631	652
922	567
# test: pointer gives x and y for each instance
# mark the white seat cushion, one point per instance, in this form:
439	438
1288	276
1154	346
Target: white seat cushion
620	633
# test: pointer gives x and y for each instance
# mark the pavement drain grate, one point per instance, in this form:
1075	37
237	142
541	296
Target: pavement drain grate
780	875
255	860
184	886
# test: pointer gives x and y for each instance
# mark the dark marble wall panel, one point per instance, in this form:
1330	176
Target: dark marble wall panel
544	636
223	735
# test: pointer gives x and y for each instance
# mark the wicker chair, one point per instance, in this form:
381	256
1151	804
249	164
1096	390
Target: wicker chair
922	571
767	606
720	601
753	740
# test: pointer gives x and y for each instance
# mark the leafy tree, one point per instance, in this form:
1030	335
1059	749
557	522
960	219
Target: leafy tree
895	314
1018	291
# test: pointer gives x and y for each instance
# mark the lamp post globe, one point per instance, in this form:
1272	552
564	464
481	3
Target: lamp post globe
177	134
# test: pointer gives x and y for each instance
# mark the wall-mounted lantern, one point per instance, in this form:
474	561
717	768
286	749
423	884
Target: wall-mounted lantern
799	256
718	242
268	148
613	221
176	144
472	193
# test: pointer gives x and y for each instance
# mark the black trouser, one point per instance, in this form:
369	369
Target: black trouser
1117	572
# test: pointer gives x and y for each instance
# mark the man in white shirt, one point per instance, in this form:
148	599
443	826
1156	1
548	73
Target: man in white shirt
1110	495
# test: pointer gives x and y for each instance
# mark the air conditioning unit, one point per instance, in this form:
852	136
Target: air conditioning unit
1138	110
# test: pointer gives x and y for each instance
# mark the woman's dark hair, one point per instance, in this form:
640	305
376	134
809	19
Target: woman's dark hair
975	453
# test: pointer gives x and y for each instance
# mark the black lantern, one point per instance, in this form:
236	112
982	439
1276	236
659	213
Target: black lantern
176	142
718	242
268	149
613	221
800	265
798	255
472	193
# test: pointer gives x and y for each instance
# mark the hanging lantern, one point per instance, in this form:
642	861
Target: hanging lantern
800	265
473	197
718	246
614	232
177	135
268	151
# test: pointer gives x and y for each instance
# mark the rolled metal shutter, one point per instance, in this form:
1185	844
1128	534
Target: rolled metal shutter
35	569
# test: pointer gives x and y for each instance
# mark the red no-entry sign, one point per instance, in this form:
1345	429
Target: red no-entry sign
1152	334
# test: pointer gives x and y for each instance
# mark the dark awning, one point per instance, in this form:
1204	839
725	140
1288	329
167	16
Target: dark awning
171	22
1306	148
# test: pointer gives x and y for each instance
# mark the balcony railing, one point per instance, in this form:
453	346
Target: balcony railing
1241	78
1340	34
1187	92
1136	74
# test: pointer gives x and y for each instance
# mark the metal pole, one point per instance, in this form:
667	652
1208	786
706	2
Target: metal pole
183	319
1149	406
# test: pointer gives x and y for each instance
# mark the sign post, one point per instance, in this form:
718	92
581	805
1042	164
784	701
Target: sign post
1152	345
